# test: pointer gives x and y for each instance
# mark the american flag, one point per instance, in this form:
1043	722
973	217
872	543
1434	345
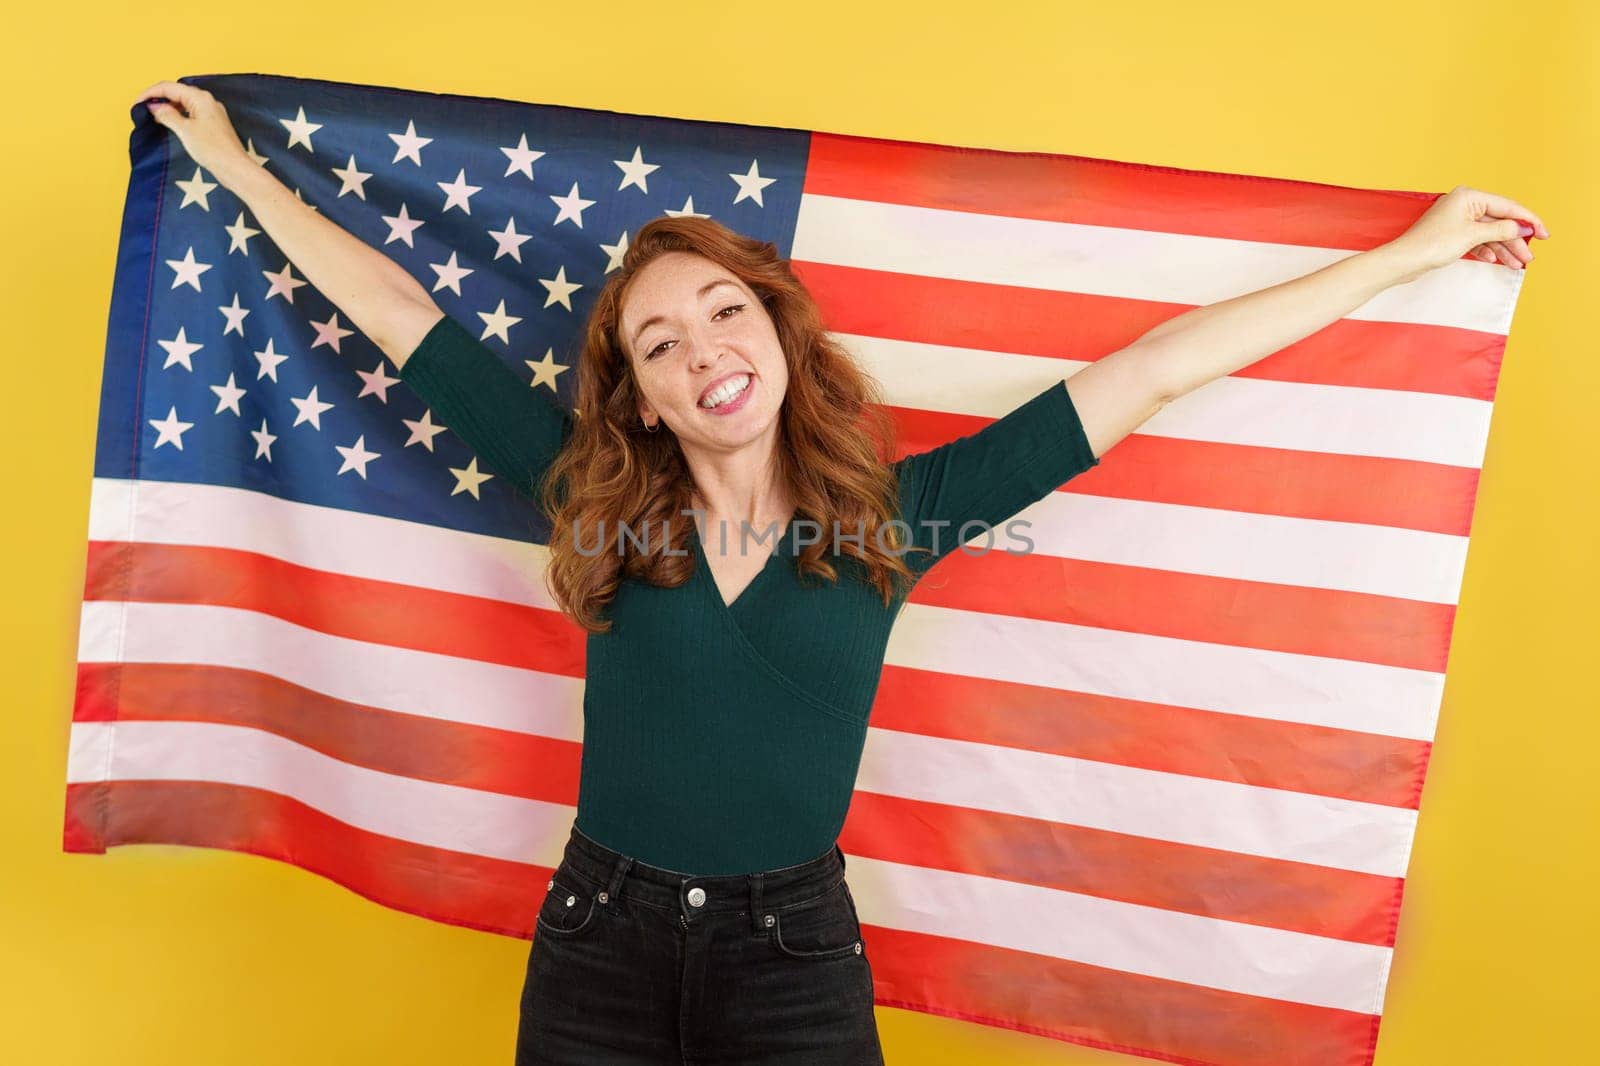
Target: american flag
1152	787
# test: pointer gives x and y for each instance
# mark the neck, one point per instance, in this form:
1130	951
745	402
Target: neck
741	486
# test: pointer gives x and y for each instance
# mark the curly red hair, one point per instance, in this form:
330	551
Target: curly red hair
835	439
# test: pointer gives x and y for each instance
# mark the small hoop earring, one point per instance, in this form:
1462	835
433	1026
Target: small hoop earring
648	428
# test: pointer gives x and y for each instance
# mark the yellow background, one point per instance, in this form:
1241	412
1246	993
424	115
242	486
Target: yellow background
171	955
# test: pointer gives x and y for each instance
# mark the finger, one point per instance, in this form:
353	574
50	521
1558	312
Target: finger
1505	207
186	97
1504	255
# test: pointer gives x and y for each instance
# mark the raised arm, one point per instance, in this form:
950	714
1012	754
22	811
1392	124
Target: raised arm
515	430
1121	391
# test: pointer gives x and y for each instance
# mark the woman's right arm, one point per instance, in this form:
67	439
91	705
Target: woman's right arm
515	430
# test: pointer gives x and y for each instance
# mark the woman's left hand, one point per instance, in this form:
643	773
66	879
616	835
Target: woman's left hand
1470	220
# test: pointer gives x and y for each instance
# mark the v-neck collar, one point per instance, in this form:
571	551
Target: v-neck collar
703	565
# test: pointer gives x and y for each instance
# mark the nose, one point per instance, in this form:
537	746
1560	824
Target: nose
704	352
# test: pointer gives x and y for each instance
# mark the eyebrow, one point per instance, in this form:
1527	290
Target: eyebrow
652	320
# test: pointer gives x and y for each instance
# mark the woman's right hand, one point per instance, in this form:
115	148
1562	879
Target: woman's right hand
202	125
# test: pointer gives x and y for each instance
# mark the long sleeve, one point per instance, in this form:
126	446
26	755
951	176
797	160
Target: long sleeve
515	431
991	475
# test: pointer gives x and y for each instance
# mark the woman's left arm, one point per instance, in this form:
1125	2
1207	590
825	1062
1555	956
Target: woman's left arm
1120	392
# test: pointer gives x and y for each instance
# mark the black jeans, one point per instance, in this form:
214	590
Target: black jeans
635	964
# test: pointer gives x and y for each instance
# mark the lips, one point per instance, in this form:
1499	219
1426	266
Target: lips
717	384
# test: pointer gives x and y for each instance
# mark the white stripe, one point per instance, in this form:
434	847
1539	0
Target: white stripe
1410	564
443	687
1163	806
1273	823
322	538
1211	952
1277	685
469	820
1136	264
1339	419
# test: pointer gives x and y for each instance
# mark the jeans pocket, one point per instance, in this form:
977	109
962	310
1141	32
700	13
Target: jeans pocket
570	906
820	928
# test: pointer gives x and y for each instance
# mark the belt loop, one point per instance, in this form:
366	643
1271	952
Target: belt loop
621	870
756	916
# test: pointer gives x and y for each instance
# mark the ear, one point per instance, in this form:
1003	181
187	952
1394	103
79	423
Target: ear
647	414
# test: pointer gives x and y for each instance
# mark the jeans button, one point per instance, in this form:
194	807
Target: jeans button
697	896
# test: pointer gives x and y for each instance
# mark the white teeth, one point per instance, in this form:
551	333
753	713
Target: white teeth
733	387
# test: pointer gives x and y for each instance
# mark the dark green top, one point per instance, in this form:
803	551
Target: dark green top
725	739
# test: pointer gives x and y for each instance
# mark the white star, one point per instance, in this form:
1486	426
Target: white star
269	361
450	275
751	183
458	193
310	408
300	130
356	457
169	430
351	179
195	190
401	227
263	441
559	289
376	382
188	270
545	370
469	479
497	322
330	332
615	252
250	150
283	282
239	235
235	316
227	396
408	145
635	171
572	207
423	430
688	209
508	241
179	349
521	157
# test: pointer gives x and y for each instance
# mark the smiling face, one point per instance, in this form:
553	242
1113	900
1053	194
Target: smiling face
694	332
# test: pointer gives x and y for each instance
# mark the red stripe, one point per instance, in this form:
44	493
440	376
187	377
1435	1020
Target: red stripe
1444	360
447	886
1309	759
1209	882
1325	486
381	612
414	746
1106	1008
959	979
1099	192
1357	626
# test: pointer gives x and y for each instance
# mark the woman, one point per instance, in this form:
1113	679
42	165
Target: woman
700	910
